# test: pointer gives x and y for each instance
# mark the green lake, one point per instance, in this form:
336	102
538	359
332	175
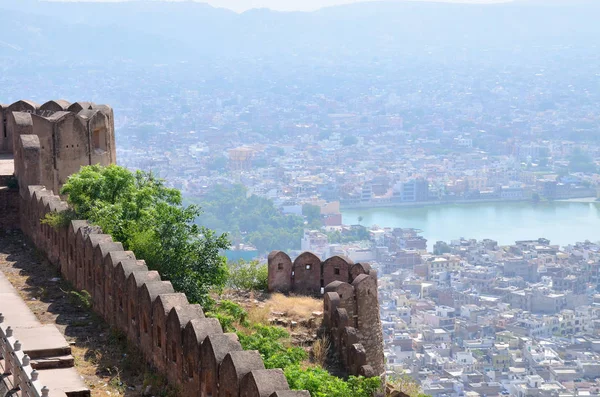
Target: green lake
561	222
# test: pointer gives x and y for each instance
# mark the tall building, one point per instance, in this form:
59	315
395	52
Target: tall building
413	190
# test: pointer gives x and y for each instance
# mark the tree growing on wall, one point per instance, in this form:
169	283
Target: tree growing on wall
149	219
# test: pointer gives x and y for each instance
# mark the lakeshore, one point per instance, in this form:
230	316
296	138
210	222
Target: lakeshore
563	222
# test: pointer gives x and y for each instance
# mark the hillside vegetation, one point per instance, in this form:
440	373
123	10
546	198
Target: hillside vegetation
149	219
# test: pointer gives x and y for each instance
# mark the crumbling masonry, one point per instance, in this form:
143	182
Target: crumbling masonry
49	143
350	307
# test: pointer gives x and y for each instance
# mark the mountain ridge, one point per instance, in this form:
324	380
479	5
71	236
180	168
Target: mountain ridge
157	30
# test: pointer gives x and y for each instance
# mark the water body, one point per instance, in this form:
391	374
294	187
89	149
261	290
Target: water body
562	222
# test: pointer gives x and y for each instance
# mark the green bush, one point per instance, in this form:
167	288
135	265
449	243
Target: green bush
58	220
149	219
321	383
287	358
248	275
270	341
229	313
267	340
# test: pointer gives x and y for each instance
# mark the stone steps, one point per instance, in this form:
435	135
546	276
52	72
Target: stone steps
66	361
47	348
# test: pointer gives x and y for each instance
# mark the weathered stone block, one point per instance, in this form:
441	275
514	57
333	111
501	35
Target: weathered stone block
280	272
233	369
135	281
263	383
91	243
111	261
369	321
100	275
177	320
307	274
194	334
148	293
358	269
161	307
212	353
336	268
122	272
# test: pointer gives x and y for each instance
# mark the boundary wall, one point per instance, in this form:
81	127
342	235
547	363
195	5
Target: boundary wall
351	317
174	336
49	142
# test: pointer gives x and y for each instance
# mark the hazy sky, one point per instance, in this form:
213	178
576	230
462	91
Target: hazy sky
294	5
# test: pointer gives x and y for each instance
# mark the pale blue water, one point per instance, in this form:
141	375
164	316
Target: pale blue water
561	222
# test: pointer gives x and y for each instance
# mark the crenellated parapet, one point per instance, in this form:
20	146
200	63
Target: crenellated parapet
308	275
52	141
49	143
175	337
351	317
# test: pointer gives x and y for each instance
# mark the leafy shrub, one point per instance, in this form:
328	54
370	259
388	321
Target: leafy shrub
268	340
80	299
149	219
57	220
229	313
321	383
265	339
248	275
287	358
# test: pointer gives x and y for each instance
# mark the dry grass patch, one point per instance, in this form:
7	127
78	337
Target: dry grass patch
320	350
259	315
294	307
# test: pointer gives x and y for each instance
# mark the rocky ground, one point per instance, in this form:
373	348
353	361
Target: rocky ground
301	316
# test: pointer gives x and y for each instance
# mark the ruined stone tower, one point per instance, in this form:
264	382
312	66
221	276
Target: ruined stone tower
350	304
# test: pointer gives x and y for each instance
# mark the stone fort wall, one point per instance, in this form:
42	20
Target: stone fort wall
350	305
173	335
49	142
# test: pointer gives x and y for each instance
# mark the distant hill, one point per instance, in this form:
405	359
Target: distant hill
155	30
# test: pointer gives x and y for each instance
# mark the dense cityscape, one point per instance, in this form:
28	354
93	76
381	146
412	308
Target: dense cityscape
483	319
275	147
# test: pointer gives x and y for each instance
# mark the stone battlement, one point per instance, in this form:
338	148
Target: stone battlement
173	335
52	141
350	307
49	143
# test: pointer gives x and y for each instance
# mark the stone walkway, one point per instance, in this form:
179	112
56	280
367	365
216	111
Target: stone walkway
49	351
109	366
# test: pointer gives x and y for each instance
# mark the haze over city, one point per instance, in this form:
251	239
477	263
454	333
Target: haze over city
400	190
